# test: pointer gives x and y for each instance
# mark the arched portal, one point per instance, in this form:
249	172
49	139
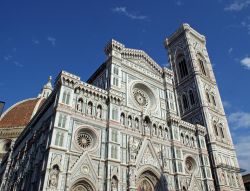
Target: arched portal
83	185
149	181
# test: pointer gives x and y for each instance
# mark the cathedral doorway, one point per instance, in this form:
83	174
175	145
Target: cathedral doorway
82	185
148	181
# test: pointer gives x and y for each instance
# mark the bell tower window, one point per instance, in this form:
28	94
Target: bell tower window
191	96
185	102
202	67
216	130
183	68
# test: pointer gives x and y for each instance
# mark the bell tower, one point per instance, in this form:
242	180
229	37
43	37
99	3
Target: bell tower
200	103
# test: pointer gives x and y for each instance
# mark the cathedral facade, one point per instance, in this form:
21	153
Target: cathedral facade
132	126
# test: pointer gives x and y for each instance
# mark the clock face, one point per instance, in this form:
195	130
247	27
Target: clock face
140	97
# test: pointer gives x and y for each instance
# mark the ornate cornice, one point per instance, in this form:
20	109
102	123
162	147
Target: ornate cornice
184	28
131	53
12	132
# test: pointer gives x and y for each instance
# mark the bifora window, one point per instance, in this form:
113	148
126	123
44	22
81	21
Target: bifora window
202	67
183	68
191	96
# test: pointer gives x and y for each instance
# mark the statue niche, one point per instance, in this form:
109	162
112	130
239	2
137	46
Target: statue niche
54	175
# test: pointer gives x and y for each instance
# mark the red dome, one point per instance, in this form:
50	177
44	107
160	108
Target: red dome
20	114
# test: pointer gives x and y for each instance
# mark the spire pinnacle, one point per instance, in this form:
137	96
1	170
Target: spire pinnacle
47	89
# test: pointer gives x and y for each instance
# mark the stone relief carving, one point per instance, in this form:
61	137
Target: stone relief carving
134	148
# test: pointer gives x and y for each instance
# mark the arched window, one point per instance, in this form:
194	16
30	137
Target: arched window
185	102
66	97
59	139
183	68
208	97
122	119
191	97
113	152
213	99
222	131
202	67
180	105
216	130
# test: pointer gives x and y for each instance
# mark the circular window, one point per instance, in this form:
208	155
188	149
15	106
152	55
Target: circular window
143	96
190	164
85	138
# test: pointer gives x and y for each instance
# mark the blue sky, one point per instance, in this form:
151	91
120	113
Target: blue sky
40	38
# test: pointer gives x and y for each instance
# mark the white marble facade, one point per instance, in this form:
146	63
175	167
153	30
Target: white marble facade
133	126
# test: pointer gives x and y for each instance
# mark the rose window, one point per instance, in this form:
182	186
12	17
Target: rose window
190	164
84	140
143	97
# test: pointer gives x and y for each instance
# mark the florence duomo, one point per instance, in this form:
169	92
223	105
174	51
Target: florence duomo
133	125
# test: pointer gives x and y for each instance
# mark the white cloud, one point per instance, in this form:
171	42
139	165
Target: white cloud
230	50
226	104
243	152
52	40
179	3
239	120
18	64
246	62
237	5
7	58
134	16
246	24
35	41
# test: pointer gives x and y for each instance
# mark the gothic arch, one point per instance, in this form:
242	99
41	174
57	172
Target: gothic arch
148	178
83	185
148	168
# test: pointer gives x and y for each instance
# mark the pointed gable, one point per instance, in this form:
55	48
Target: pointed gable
136	56
147	155
84	168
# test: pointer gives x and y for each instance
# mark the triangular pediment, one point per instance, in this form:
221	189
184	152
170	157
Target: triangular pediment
142	64
142	59
83	168
147	155
193	185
